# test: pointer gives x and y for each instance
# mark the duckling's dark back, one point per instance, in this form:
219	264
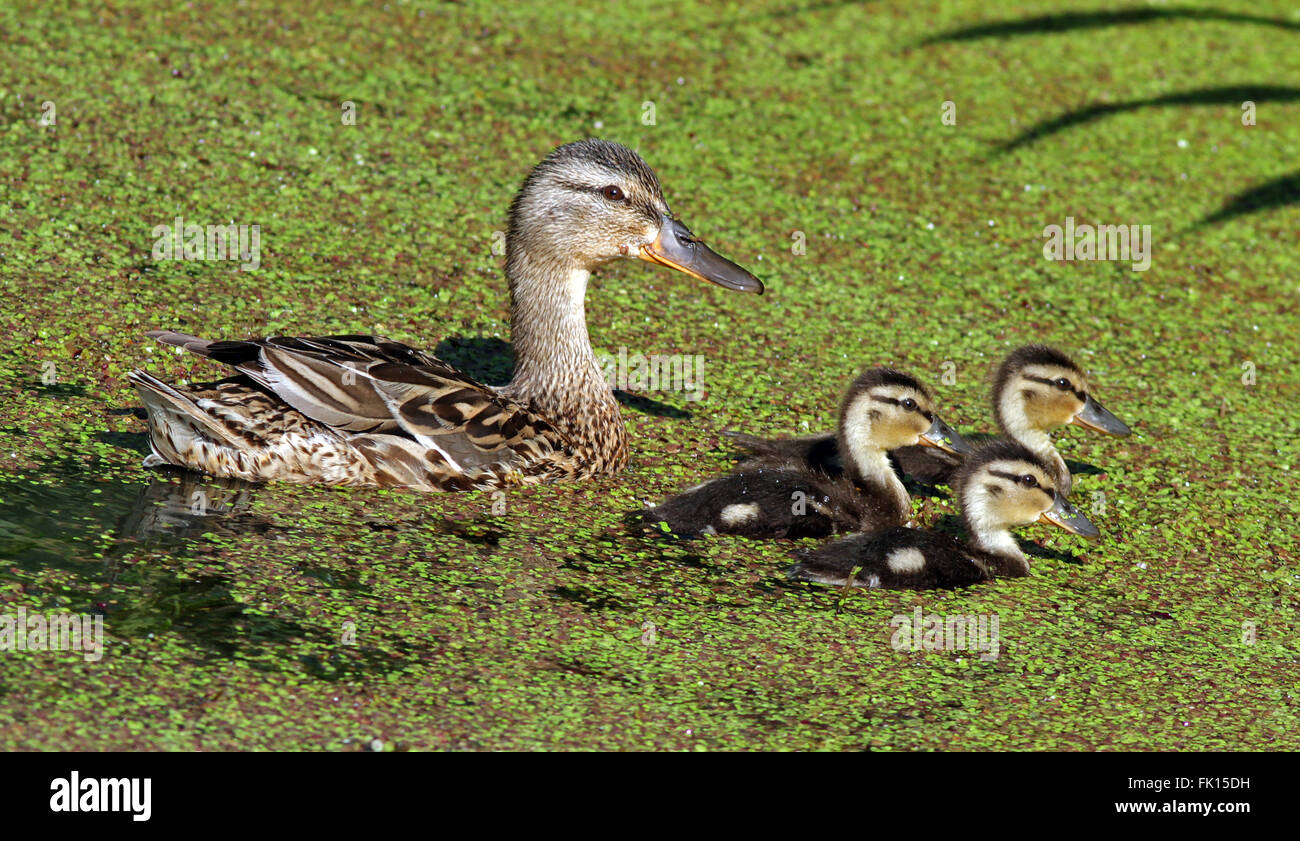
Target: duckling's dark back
774	502
926	464
814	452
897	559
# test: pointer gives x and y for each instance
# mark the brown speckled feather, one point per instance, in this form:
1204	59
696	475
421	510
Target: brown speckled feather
341	411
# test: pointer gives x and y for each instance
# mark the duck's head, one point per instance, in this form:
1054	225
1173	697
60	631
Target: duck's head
594	201
885	409
1038	388
1004	484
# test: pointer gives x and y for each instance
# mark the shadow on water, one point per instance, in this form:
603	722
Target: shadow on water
1279	192
135	441
128	548
491	361
650	406
1081	468
58	390
588	598
1076	21
1228	95
1036	550
483	531
64	517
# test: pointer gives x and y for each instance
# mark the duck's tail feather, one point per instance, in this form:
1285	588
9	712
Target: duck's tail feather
182	340
176	422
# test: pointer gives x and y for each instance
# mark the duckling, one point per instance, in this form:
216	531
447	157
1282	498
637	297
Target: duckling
365	410
1001	485
882	410
1036	389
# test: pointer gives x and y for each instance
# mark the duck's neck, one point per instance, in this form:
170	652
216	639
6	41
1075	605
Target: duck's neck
867	464
991	538
1017	426
556	372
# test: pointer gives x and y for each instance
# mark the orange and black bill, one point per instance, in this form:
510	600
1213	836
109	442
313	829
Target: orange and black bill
943	437
677	248
1063	513
1094	416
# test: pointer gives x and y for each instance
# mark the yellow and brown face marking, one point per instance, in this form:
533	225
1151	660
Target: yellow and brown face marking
1053	395
1031	480
1024	493
901	425
1027	494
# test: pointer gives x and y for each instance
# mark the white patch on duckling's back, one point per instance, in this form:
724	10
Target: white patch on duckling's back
907	561
741	512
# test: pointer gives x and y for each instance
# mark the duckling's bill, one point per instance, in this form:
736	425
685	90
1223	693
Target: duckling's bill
943	437
1063	513
677	248
1094	416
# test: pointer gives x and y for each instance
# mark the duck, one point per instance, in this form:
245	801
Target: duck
1036	389
364	410
780	497
1001	485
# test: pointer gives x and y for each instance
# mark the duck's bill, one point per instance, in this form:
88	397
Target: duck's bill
677	248
943	437
1094	416
1066	516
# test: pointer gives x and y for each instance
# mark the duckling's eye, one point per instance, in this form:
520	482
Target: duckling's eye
612	193
1028	480
1062	383
909	404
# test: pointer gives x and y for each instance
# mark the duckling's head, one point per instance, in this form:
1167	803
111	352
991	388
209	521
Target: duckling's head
594	201
1038	388
1003	484
885	409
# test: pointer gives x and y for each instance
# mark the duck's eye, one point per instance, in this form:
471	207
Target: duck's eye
909	404
1028	480
1062	383
612	193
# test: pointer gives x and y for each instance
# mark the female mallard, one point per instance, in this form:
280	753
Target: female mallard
1035	390
882	410
364	410
1001	485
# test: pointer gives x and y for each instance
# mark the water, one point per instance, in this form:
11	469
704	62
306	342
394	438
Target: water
87	545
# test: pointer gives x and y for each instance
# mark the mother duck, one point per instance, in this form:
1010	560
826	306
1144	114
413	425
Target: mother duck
365	410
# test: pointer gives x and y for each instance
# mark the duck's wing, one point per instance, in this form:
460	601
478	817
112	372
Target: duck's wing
897	559
765	502
372	386
320	377
926	464
930	464
817	452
